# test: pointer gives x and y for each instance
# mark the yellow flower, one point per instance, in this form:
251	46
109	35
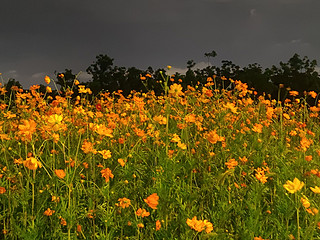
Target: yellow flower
175	90
182	145
105	154
47	79
305	202
122	162
48	89
316	189
32	163
294	186
200	225
175	138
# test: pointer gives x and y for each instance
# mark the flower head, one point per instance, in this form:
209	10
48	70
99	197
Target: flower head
123	202
152	200
106	173
141	212
316	189
105	154
158	225
47	79
294	186
48	212
32	163
60	173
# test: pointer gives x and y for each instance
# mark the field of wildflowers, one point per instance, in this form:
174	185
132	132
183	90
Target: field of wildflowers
199	163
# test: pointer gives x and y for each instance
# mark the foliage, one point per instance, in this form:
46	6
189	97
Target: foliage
200	163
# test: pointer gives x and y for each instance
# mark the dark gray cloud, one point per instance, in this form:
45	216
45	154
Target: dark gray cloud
39	37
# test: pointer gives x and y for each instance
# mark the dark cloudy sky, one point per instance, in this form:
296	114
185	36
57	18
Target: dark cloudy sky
38	37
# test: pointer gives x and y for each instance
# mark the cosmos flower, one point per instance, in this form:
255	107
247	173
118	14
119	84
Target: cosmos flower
294	186
152	200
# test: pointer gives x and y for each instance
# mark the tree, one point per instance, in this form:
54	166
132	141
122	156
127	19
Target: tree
209	55
102	71
298	74
256	78
190	76
12	82
65	79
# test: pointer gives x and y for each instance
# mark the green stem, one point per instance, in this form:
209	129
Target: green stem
32	206
298	223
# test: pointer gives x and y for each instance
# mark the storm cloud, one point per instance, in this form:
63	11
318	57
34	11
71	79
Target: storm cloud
40	37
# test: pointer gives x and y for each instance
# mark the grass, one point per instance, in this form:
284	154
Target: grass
202	163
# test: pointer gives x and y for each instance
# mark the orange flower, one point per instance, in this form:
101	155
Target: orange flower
200	225
152	200
123	202
54	121
63	222
313	94
232	163
49	89
182	145
308	158
103	130
243	159
140	225
105	154
305	143
79	228
87	147
158	225
60	173
160	119
2	190
258	238
122	162
213	137
55	199
257	128
142	213
175	138
175	90
293	93
47	79
106	173
48	212
260	175
231	106
142	77
27	129
32	163
209	226
85	165
305	202
190	118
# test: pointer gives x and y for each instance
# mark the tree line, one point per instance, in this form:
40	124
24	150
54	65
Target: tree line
297	74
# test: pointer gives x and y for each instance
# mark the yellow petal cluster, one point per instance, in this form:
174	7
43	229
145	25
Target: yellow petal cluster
294	186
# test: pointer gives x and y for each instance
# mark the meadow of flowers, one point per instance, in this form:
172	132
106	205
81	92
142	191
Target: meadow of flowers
200	163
